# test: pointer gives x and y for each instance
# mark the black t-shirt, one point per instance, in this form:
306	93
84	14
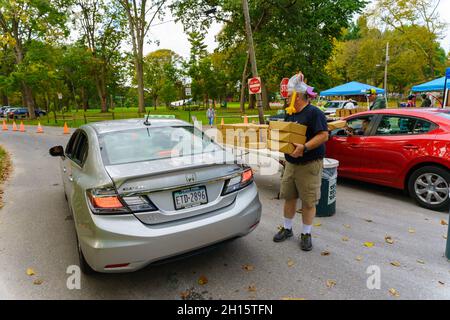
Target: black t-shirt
315	120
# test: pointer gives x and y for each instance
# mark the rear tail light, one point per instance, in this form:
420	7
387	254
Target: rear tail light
107	201
238	182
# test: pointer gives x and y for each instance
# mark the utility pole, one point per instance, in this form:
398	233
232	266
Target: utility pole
385	73
251	52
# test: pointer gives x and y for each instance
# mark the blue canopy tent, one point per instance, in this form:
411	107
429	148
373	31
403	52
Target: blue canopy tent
433	85
353	88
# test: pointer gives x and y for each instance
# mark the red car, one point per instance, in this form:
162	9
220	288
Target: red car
403	149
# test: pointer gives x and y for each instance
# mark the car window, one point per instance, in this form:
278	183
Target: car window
80	151
153	143
360	125
423	126
396	125
71	144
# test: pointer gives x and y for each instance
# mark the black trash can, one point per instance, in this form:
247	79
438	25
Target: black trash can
327	203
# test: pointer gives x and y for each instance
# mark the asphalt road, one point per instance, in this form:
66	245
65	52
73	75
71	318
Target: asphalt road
36	231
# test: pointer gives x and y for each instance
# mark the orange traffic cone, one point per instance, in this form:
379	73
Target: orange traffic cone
66	128
221	122
14	126
4	127
39	128
245	119
22	127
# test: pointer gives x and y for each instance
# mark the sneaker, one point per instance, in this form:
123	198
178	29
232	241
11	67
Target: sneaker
282	235
306	242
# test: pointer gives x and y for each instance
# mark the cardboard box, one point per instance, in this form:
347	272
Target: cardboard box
288	127
339	124
284	147
287	137
258	145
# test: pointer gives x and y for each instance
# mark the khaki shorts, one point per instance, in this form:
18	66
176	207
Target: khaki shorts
302	181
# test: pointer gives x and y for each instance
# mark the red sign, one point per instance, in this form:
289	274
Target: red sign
254	85
284	87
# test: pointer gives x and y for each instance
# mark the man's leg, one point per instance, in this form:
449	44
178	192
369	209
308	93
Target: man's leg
308	215
288	191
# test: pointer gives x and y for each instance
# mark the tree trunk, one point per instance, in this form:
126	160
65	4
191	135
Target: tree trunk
140	83
244	84
251	101
265	96
84	99
5	100
29	100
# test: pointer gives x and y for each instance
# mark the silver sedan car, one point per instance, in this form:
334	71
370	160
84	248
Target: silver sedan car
145	191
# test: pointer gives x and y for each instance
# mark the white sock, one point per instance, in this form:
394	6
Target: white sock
288	223
307	228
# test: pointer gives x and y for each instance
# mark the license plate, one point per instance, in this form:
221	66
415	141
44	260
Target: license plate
191	197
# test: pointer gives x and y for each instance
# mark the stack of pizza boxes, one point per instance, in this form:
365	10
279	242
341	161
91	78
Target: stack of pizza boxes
243	135
283	135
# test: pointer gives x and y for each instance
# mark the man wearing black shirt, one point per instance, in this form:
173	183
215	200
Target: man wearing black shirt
303	172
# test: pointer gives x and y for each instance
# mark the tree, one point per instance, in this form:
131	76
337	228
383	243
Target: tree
103	31
136	12
289	35
402	15
162	74
25	20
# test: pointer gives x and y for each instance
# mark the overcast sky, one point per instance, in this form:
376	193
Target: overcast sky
171	35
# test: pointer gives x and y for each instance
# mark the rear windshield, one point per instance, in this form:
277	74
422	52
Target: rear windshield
156	143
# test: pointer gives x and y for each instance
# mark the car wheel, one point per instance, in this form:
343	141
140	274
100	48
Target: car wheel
84	266
429	186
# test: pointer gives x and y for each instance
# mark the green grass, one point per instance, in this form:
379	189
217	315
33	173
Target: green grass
5	166
231	114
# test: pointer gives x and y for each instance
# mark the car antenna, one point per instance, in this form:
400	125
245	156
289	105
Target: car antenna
146	122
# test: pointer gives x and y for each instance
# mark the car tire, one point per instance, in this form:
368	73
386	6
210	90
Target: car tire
84	266
428	185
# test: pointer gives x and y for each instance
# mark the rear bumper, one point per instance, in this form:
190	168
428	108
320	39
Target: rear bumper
125	239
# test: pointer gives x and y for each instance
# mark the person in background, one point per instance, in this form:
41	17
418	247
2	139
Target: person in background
349	105
377	102
426	102
302	176
411	101
210	114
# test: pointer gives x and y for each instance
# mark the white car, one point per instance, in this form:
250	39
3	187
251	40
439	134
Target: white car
332	106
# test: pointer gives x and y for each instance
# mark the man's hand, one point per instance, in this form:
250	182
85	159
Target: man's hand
298	152
349	131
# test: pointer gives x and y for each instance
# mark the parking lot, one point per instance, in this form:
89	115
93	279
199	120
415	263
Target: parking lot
37	232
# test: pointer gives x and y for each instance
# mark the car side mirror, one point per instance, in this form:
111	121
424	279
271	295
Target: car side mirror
57	151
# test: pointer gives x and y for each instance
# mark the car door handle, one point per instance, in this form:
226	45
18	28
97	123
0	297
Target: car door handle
410	147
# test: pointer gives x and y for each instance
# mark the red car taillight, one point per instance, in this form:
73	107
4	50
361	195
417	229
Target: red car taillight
238	182
107	202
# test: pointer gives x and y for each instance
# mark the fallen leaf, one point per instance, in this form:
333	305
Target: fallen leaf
202	280
368	220
331	283
420	261
369	244
441	282
394	292
290	298
184	295
317	224
445	237
30	272
395	263
358	258
389	239
37	282
444	223
347	226
344	238
248	267
290	263
412	230
251	288
325	253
